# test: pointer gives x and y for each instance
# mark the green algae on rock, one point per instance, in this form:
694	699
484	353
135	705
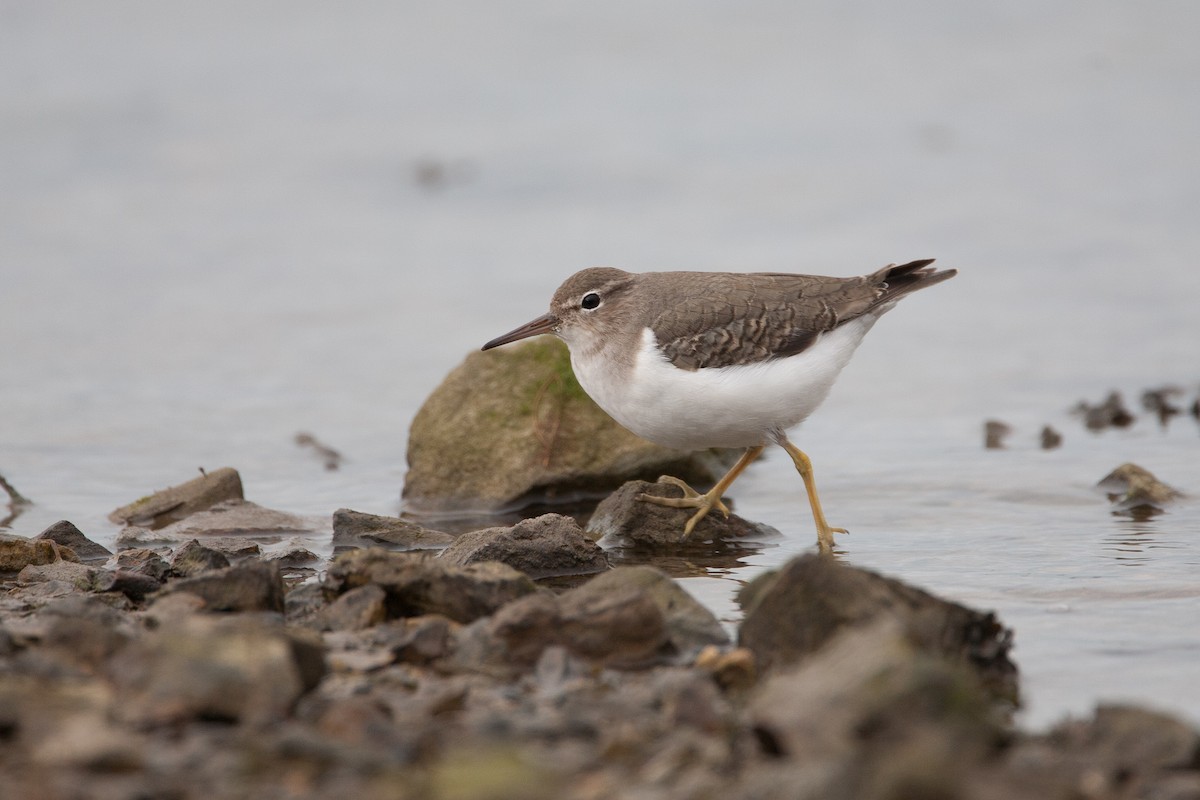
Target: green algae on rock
512	428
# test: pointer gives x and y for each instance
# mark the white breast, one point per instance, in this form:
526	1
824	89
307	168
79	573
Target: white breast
719	407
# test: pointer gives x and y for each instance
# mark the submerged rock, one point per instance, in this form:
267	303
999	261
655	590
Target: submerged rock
1134	491
545	546
177	502
230	518
512	427
623	519
358	529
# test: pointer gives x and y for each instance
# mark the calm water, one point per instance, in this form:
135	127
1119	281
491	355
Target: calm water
223	224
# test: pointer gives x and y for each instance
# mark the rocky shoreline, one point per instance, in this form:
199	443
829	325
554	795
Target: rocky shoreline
511	662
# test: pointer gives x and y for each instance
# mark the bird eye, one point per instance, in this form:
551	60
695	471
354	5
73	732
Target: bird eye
589	301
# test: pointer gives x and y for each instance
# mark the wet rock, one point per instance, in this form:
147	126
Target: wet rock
417	583
143	562
872	715
1050	438
794	612
235	669
357	529
228	519
134	585
1135	492
175	503
1112	413
994	434
623	519
67	535
17	552
77	575
545	546
512	427
252	586
194	558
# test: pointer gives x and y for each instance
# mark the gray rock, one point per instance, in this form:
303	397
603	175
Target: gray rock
252	586
67	535
239	669
512	427
144	562
358	529
794	612
690	626
174	503
545	546
622	519
417	583
194	558
134	585
361	607
78	575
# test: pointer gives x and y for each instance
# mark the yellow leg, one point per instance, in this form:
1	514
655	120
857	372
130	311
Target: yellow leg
804	467
707	501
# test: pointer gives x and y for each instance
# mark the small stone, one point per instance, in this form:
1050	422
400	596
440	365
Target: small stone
1050	438
1111	413
177	502
623	519
144	562
546	546
67	535
358	529
194	558
252	586
994	434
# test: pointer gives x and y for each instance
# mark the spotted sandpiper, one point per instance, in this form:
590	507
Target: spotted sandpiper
693	360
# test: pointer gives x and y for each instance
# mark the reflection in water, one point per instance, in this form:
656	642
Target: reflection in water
16	503
1134	537
690	559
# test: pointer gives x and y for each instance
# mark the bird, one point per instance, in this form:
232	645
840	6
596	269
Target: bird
696	360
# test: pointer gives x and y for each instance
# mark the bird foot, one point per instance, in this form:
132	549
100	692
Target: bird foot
703	503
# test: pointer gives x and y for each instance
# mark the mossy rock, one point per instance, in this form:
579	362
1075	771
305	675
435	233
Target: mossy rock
512	427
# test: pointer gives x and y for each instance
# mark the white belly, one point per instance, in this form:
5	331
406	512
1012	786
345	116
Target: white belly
720	407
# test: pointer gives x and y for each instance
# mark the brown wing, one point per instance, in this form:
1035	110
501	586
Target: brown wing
723	319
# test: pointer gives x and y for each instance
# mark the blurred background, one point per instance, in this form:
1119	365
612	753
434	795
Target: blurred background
223	223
